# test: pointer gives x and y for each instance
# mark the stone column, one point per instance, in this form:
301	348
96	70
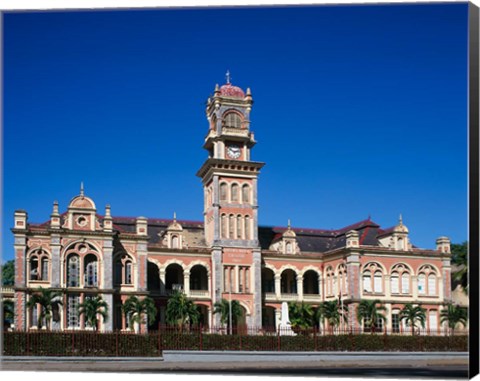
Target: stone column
216	209
162	275
20	247
56	272
387	286
300	287
445	290
388	316
278	289
217	277
107	281
257	288
353	284
415	287
186	282
255	210
278	317
237	280
320	286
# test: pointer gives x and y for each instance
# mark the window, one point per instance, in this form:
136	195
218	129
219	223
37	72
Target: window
175	242
73	271
329	280
223	192
405	283
128	272
234	192
422	287
246	194
289	247
44	269
247	227
377	282
231	227
118	272
396	322
233	120
394	283
367	282
239	227
90	271
34	269
400	279
432	284
224	226
432	320
73	320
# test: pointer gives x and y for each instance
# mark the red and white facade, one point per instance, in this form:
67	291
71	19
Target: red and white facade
227	255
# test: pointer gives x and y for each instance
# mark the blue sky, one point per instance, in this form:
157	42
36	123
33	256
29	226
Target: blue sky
359	110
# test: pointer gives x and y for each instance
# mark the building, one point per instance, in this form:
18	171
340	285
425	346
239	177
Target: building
227	255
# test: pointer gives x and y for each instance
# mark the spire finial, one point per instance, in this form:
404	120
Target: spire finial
55	207
227	76
82	192
289	224
400	220
174	216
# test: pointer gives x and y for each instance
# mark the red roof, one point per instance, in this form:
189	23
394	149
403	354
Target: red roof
228	90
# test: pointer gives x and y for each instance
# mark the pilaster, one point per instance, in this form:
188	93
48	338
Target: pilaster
257	288
217	277
55	246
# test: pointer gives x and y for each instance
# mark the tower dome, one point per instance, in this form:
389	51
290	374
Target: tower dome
228	90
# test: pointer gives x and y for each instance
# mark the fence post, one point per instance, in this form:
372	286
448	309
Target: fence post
240	339
278	339
315	338
116	342
201	337
159	340
73	342
28	342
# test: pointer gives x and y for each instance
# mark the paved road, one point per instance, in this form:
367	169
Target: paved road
319	369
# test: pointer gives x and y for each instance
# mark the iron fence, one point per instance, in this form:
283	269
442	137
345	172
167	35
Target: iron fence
151	344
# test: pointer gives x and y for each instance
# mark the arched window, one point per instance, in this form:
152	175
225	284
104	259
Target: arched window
329	274
376	283
247	227
432	285
233	120
428	276
422	284
405	283
224	226
400	279
289	248
73	271
245	194
231	227
91	271
223	192
34	271
367	281
38	265
128	272
342	279
175	242
235	192
239	227
44	262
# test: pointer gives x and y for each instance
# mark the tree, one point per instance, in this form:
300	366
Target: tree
8	273
92	308
333	313
223	308
453	315
370	312
139	311
300	315
8	312
48	300
460	260
181	311
413	314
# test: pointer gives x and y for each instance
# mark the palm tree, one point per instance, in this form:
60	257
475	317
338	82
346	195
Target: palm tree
370	312
48	300
413	314
300	315
181	311
139	311
8	312
333	313
460	260
91	308
454	314
223	308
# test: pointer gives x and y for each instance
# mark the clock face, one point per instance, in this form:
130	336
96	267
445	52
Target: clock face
233	151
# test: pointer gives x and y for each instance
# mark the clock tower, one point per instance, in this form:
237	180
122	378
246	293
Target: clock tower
229	179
